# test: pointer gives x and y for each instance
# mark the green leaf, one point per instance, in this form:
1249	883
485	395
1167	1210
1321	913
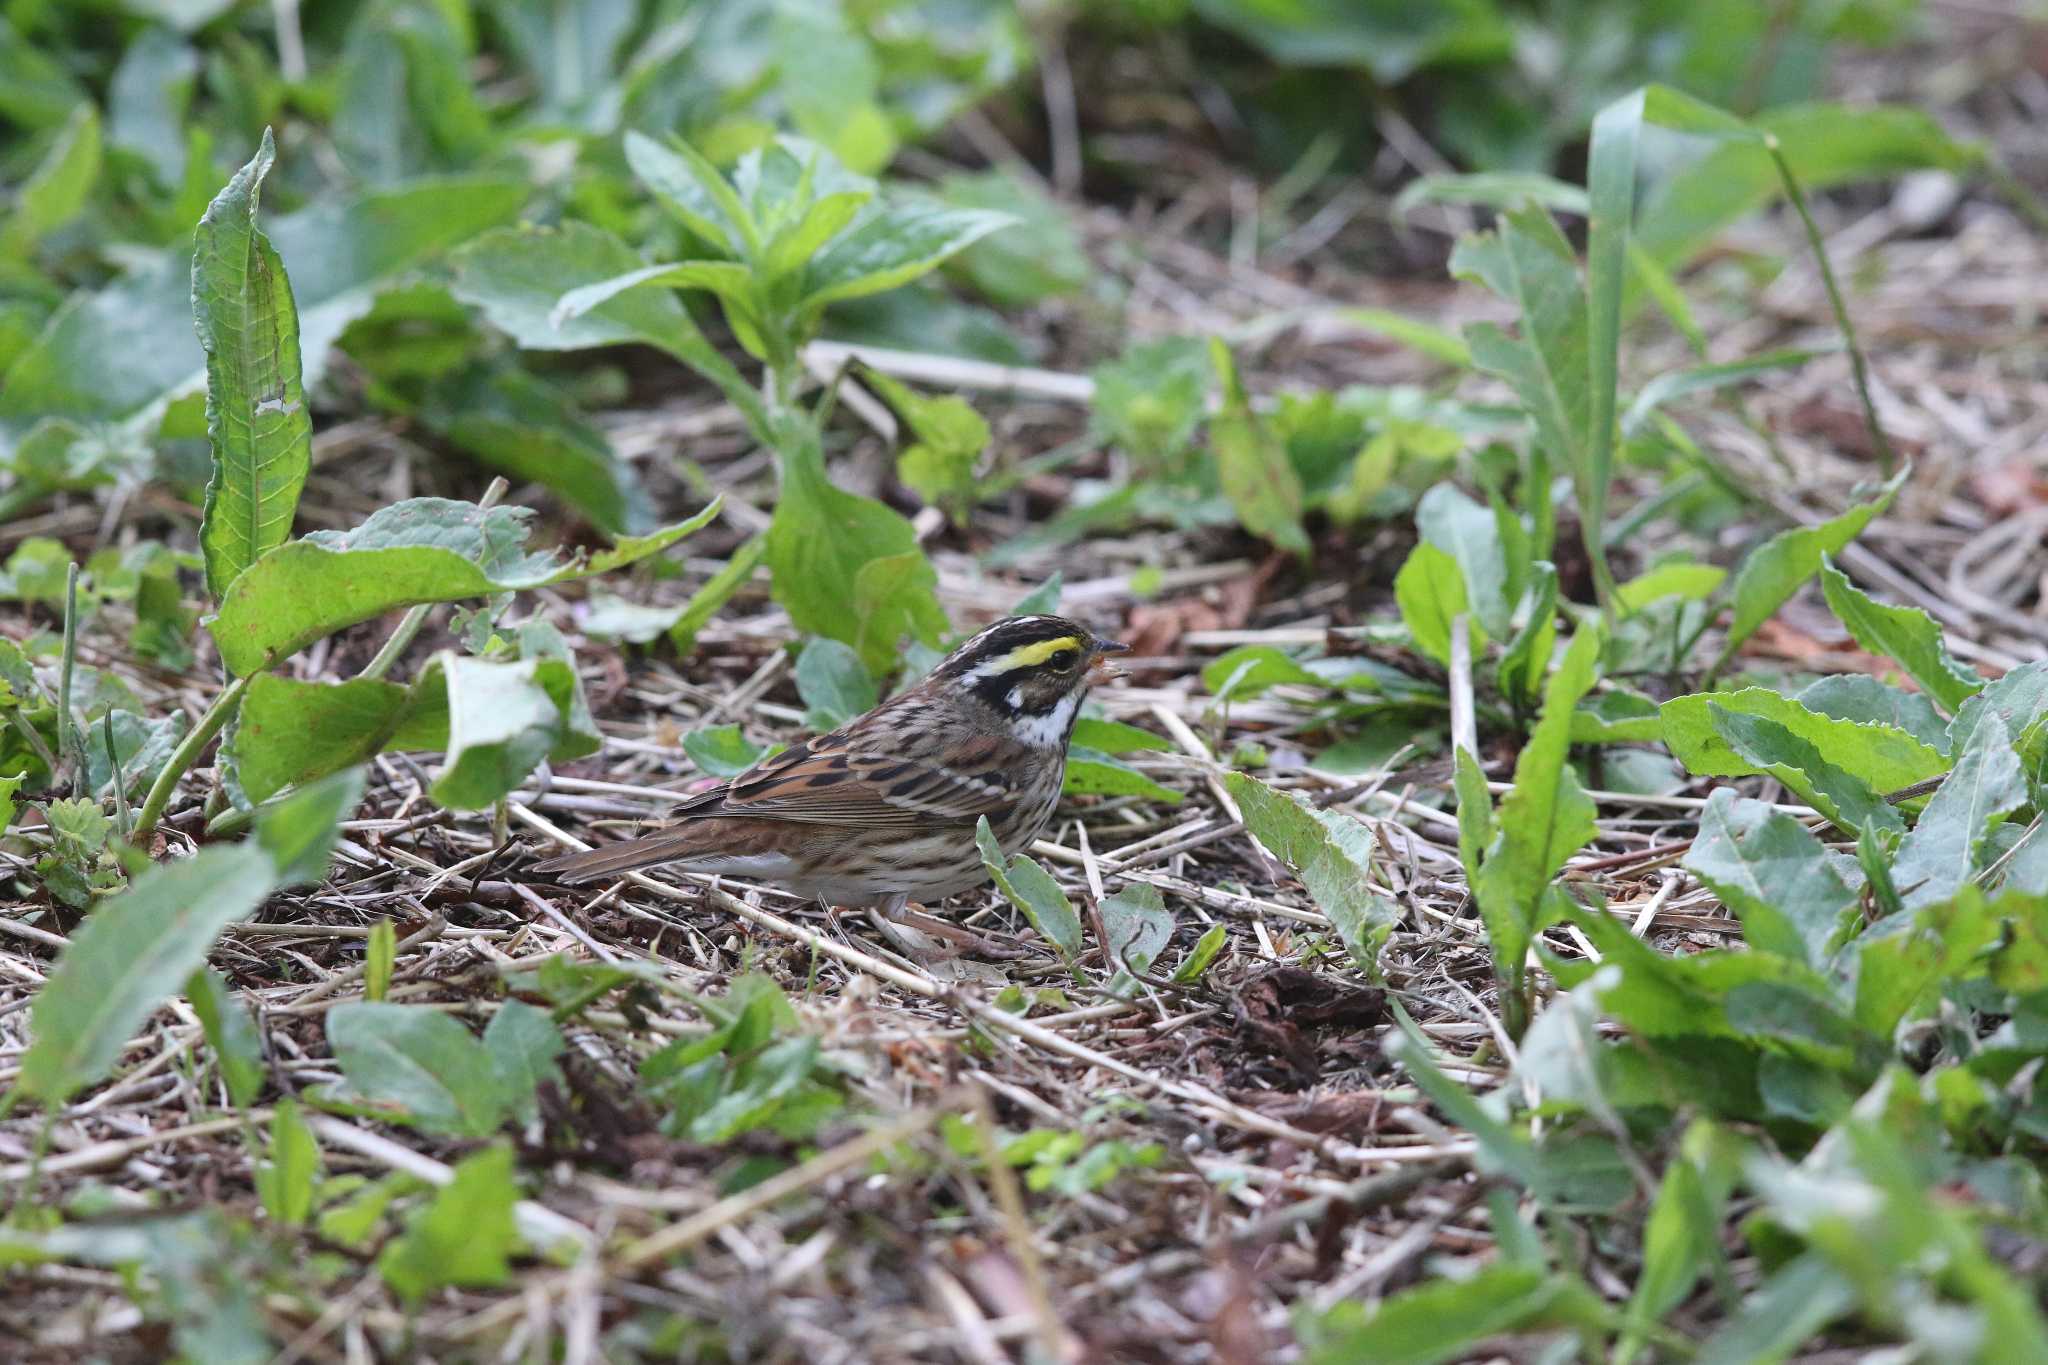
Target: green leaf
1689	582
1944	849
522	1042
299	832
1773	571
1773	874
528	428
1862	698
418	551
339	253
1529	649
290	732
1906	634
706	602
1248	670
133	953
1092	773
1442	1320
1529	263
1705	379
57	189
1883	757
1544	818
890	245
503	719
1430	591
465	1236
256	411
1475	811
1252	464
1331	853
1114	737
290	1173
416	1066
834	684
517	277
950	436
846	566
1032	890
1414	333
1782	1314
1470	534
722	750
1841	796
237	1047
691	188
380	959
1202	954
1038	258
1895	970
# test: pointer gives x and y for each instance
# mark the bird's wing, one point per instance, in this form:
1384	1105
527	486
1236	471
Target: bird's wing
833	781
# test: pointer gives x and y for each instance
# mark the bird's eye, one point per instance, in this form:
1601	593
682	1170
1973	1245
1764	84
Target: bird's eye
1063	660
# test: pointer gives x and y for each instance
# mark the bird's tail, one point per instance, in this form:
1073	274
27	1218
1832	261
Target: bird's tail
628	855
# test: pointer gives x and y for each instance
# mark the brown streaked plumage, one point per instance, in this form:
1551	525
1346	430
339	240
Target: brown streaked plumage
883	810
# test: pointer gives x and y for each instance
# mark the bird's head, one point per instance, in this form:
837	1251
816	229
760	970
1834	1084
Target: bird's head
1033	670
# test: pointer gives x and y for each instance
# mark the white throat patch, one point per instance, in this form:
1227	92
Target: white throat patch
1049	730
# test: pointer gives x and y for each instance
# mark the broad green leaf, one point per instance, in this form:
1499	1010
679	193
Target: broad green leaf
256	413
134	952
692	189
339	254
1676	997
722	750
728	279
1773	874
1252	464
1115	737
834	684
890	245
522	1042
1150	400
1544	818
1862	698
1943	850
1469	534
237	1047
503	719
1445	1319
291	732
2019	699
1824	145
1770	747
299	832
948	438
416	1066
1906	634
1430	591
1032	890
821	543
528	428
1093	773
1691	582
1883	757
56	190
422	550
1895	970
517	276
289	1175
1775	570
1331	853
465	1235
1248	670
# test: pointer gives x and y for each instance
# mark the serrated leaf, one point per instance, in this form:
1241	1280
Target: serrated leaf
1770	747
134	952
1862	698
1772	572
1883	757
691	188
1944	849
418	551
256	413
1772	873
1905	634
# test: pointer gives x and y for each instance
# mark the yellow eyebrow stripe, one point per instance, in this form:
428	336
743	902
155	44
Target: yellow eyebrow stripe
1031	655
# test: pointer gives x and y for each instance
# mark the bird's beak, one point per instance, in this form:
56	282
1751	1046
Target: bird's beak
1100	668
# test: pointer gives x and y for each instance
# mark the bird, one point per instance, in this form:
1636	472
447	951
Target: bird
883	811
